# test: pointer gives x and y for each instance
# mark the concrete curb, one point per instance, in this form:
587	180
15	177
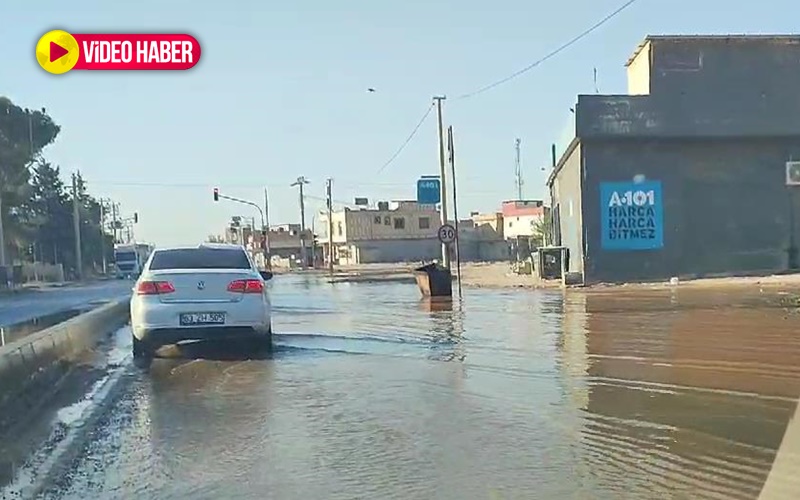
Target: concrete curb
32	366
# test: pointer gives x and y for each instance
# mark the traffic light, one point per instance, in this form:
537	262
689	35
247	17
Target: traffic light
135	217
216	194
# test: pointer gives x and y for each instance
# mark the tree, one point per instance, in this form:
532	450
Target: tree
37	207
51	212
23	135
543	229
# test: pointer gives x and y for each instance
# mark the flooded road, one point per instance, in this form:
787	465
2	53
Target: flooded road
37	303
374	393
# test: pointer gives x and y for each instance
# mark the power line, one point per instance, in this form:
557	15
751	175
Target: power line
555	52
206	185
411	136
352	183
156	184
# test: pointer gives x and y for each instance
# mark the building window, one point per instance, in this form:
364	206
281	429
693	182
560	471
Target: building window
377	219
399	223
510	224
340	228
387	221
424	222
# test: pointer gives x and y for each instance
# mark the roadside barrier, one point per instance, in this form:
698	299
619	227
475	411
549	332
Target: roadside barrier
31	367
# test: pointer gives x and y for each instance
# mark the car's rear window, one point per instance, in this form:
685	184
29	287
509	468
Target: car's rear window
125	256
199	258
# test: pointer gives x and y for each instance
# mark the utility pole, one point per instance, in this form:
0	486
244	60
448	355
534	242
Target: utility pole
267	252
300	182
313	242
2	235
329	192
114	221
518	170
76	222
443	183
451	149
103	234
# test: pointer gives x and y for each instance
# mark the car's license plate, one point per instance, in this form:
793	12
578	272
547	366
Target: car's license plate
209	318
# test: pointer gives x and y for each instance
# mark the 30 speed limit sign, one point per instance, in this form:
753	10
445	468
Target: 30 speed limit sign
447	234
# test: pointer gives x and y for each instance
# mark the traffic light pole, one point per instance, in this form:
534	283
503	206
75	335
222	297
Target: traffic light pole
218	195
237	200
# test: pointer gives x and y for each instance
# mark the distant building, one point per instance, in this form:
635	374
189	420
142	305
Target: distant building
522	217
481	238
494	221
391	232
285	245
402	231
655	183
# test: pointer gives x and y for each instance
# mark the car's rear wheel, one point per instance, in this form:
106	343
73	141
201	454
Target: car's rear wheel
263	343
142	352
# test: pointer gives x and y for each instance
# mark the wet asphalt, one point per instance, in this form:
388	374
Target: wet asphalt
50	301
372	392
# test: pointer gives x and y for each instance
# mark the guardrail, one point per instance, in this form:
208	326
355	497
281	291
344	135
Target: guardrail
32	366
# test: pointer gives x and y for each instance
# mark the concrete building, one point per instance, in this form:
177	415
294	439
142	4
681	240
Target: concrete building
285	245
493	221
522	217
481	241
396	231
402	231
686	175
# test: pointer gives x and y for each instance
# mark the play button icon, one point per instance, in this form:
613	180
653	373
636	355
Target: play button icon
57	51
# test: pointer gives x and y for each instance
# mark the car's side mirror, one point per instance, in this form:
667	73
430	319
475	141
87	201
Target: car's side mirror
266	275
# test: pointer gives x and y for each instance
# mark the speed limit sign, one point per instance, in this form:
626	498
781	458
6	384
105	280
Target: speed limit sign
447	234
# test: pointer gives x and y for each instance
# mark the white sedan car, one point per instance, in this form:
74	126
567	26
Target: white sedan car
207	292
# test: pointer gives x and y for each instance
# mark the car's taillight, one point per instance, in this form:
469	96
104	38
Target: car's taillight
246	286
154	288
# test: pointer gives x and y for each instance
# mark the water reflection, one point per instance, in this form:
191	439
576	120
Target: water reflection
436	304
574	357
12	333
447	327
688	392
374	393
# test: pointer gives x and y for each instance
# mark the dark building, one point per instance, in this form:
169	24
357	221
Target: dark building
687	174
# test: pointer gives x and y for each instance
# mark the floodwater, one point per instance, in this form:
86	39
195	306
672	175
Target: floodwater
374	393
12	333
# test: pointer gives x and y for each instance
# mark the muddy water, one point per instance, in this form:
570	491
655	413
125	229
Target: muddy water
373	393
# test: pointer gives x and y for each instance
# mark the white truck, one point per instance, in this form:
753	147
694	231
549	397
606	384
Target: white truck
129	259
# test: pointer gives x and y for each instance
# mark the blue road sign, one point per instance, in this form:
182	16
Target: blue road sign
631	215
428	191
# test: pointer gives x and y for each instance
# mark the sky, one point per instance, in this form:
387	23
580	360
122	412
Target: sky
281	92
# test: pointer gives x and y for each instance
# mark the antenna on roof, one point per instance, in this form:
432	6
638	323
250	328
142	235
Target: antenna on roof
518	170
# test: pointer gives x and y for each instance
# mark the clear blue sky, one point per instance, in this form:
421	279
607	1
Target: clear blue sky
280	92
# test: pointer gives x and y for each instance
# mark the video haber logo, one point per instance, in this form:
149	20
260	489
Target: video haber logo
58	52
